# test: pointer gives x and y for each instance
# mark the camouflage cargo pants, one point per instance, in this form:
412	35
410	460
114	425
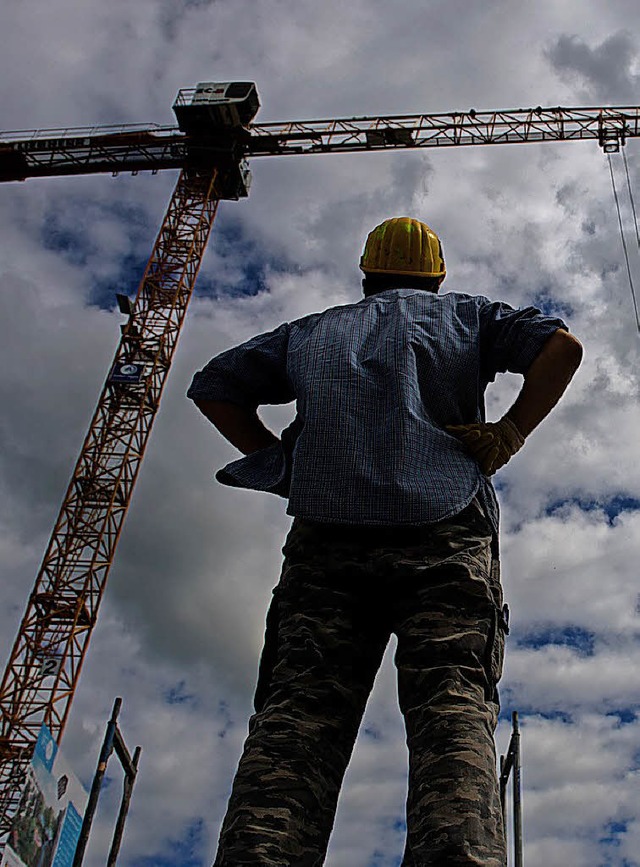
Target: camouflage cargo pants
343	592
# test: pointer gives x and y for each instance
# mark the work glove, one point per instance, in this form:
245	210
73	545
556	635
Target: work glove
492	444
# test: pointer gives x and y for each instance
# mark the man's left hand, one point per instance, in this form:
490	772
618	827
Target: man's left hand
492	444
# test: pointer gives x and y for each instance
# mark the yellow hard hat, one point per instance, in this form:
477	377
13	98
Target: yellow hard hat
403	245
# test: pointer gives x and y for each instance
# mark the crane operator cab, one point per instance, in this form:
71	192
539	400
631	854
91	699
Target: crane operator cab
214	116
214	106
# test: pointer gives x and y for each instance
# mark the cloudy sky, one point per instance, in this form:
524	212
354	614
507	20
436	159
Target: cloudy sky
181	625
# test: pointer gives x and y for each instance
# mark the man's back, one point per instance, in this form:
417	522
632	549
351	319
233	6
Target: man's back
376	383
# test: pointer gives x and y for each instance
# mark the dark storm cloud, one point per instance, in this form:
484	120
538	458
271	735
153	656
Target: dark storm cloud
605	70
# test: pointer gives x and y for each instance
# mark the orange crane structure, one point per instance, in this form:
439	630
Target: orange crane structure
210	146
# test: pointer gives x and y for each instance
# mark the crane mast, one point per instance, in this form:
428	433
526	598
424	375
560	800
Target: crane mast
209	146
46	659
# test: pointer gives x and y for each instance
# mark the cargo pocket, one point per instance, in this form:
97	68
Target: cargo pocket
499	629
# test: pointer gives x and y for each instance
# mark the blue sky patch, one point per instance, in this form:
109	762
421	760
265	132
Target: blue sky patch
70	243
529	710
556	716
231	242
575	637
178	694
252	282
611	506
125	282
624	716
185	852
551	306
506	708
69	234
612	833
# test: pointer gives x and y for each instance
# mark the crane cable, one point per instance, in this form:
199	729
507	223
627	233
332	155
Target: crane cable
633	206
624	243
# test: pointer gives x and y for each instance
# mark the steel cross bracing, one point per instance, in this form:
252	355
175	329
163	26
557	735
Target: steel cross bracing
46	659
88	150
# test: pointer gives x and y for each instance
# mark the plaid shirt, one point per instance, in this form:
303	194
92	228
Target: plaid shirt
375	384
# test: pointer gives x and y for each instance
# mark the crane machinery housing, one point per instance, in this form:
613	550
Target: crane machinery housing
210	147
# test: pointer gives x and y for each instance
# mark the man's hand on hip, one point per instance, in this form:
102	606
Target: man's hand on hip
492	444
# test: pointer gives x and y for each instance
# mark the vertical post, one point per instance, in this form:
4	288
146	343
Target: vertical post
517	793
129	780
113	740
92	803
503	792
508	763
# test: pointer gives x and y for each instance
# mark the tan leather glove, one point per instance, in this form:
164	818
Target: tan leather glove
492	444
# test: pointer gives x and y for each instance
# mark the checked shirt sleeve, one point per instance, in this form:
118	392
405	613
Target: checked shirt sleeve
512	338
249	375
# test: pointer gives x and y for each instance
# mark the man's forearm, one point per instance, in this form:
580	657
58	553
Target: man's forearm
493	444
240	426
546	381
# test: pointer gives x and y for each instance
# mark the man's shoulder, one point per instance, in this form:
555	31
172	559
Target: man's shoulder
392	297
336	310
456	297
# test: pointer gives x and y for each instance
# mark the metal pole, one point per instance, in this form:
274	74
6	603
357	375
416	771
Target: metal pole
127	790
107	749
517	793
503	793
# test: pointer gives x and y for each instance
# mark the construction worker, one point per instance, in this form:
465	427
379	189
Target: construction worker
387	471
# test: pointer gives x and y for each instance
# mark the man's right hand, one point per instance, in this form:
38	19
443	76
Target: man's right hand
242	427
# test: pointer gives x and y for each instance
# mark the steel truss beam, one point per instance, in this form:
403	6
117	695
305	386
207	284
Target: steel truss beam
107	149
45	662
445	130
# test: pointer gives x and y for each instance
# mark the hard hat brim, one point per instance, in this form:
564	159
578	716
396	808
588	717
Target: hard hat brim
402	273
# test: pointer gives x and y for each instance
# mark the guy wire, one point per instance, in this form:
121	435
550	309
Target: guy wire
624	243
633	205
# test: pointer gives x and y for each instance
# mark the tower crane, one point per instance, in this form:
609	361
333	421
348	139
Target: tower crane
210	147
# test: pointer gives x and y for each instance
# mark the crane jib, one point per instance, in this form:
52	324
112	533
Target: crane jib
105	149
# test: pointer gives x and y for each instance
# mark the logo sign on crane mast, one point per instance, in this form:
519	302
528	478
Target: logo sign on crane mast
126	372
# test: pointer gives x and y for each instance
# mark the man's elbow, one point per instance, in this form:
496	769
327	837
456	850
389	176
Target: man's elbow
202	403
560	357
214	410
569	347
